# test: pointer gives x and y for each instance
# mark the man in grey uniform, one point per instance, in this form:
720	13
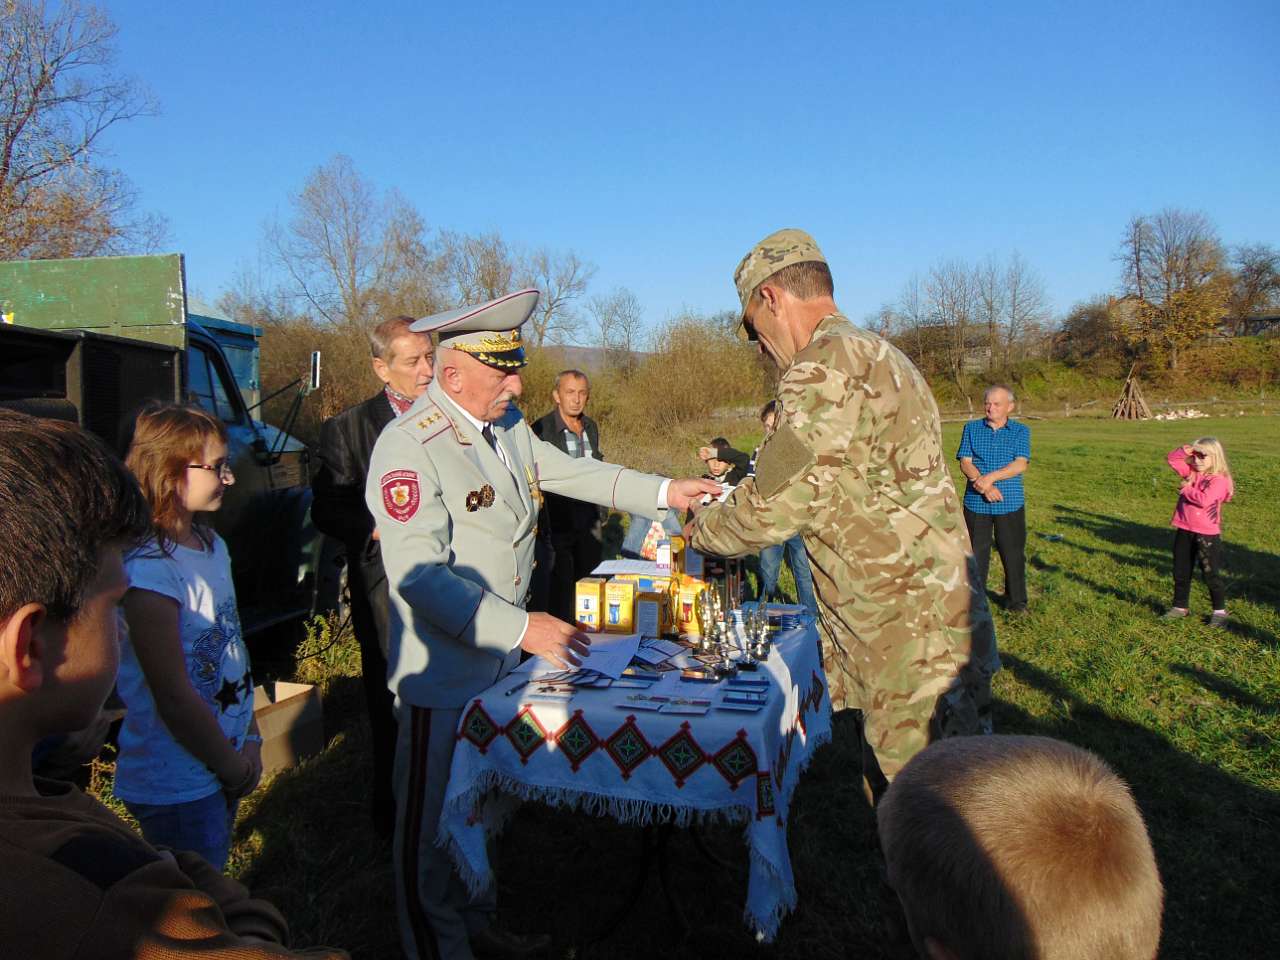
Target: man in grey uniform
454	487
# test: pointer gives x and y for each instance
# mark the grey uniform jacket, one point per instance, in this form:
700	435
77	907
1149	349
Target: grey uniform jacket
457	530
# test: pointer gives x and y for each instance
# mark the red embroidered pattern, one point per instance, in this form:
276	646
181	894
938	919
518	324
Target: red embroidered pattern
681	754
628	747
736	760
576	740
526	733
478	727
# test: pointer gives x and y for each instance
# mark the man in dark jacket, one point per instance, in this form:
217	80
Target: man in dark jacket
403	362
574	525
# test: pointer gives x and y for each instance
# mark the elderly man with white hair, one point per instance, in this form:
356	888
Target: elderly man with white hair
994	453
454	487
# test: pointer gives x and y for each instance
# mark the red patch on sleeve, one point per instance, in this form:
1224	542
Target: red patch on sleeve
400	494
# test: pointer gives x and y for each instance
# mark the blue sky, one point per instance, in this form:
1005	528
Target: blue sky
660	141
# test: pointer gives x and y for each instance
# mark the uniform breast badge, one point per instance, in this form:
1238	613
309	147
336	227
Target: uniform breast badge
400	494
480	498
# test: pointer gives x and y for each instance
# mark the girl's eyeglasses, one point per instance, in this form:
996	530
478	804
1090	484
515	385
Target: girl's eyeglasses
222	468
1200	454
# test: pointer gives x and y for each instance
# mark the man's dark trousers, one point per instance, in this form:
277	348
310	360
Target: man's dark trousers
339	510
574	526
1010	534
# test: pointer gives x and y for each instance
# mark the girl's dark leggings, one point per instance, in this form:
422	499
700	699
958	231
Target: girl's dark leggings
1202	549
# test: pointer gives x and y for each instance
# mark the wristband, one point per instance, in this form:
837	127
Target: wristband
253	738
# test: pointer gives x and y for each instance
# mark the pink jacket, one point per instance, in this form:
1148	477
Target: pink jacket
1199	507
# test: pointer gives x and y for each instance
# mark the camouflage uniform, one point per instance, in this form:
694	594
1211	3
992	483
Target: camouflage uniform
855	465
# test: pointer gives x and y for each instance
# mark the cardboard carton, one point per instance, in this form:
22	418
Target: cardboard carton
290	721
588	604
619	606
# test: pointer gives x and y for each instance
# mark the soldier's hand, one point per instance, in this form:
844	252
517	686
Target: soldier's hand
706	453
681	494
554	639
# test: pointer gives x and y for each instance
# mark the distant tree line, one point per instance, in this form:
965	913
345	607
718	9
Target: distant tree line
1178	284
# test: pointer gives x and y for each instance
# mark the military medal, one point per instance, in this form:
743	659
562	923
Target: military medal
483	497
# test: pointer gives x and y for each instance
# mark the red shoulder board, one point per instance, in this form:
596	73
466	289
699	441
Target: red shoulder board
400	494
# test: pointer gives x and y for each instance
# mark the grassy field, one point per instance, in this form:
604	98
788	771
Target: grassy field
1189	716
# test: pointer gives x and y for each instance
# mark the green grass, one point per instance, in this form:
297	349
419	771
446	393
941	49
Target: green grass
1189	717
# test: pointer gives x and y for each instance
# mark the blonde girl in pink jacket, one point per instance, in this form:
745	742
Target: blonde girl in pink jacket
1197	522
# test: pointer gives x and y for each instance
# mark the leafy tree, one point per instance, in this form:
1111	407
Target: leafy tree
1174	278
58	94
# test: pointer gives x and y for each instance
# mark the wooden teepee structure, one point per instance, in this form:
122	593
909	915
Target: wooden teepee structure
1131	405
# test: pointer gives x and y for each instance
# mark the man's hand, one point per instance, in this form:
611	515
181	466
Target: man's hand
983	484
682	493
554	639
375	535
992	494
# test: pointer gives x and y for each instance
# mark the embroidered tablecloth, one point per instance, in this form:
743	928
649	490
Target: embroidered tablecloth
593	753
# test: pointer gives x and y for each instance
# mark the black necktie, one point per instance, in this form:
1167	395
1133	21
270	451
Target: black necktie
489	438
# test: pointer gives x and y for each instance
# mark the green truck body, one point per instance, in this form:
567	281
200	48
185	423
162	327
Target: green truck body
92	340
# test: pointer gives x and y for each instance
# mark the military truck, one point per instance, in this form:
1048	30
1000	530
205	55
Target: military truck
93	339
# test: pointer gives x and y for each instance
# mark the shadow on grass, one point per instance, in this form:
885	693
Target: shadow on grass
1251	574
1215	836
1128	596
310	850
1225	688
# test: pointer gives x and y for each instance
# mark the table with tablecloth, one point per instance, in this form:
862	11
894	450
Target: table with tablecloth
598	754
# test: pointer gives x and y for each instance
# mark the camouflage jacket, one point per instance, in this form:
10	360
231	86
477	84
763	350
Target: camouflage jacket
856	466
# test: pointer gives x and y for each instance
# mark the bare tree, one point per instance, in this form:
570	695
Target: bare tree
1025	304
1255	287
347	248
561	279
1173	271
478	267
59	94
951	300
913	313
619	323
990	300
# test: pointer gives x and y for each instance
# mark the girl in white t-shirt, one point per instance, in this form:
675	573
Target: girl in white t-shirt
189	747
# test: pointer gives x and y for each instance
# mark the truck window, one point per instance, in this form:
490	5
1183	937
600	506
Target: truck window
206	384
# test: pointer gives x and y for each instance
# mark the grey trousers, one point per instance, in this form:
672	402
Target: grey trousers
435	911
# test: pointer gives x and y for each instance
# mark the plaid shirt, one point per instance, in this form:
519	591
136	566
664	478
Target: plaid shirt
994	450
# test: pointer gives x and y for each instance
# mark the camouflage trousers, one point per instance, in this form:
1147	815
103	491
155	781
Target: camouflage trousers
893	735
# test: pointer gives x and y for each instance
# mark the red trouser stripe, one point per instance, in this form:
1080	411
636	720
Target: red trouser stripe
419	745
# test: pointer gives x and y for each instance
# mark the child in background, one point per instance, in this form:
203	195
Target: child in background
78	882
1206	486
189	747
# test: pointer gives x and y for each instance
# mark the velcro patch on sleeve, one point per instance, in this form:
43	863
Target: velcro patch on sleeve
783	460
401	494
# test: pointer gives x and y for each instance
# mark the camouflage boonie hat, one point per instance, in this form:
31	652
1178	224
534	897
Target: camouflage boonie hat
777	250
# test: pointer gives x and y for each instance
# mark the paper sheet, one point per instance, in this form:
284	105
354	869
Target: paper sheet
609	654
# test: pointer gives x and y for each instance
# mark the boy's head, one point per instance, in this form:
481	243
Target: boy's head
68	509
1019	847
715	466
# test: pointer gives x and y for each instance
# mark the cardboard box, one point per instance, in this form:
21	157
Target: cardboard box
687	606
588	604
619	606
654	616
645	583
291	723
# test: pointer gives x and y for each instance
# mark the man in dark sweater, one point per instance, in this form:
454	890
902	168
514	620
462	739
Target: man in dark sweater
573	525
77	881
402	360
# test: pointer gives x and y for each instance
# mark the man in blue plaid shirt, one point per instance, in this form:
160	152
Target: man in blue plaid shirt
993	454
